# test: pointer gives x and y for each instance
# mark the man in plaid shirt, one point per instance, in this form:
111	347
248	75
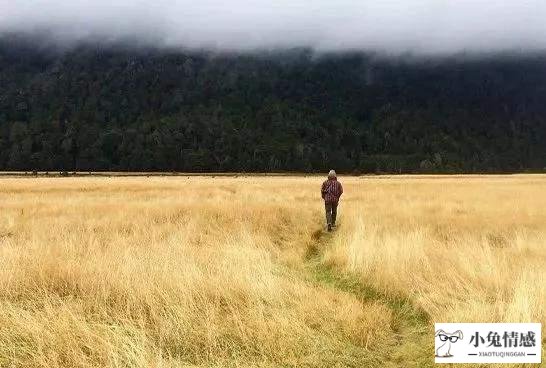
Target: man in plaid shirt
331	191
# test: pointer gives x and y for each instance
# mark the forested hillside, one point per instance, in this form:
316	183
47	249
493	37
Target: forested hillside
122	108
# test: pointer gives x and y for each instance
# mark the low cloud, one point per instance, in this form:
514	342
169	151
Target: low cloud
417	26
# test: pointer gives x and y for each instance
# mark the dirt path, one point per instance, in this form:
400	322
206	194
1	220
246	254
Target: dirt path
411	345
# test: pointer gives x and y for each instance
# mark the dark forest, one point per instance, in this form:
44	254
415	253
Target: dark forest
125	108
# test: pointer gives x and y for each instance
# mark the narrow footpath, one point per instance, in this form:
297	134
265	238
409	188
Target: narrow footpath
411	344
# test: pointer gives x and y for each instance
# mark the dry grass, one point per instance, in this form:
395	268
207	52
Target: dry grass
463	248
169	272
212	272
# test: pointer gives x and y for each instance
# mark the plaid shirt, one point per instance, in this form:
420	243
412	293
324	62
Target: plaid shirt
331	191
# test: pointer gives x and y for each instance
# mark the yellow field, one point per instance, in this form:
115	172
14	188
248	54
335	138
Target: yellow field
239	272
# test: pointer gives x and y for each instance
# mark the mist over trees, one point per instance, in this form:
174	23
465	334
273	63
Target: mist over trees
122	108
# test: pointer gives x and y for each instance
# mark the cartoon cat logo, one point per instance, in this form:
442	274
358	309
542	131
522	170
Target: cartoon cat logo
446	339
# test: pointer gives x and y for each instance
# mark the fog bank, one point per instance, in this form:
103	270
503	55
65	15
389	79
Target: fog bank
417	26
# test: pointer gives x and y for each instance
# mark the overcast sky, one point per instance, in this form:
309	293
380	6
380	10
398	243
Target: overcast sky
420	26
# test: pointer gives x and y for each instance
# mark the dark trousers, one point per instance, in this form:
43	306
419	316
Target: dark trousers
331	213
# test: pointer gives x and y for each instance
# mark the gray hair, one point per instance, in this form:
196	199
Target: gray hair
332	174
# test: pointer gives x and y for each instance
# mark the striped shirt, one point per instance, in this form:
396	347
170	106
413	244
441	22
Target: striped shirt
331	191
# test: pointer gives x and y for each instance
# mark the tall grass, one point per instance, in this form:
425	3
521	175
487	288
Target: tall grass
465	249
170	272
214	272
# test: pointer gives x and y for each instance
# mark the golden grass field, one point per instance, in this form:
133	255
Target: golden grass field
239	272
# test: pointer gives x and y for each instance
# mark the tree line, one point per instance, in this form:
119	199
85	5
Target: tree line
125	108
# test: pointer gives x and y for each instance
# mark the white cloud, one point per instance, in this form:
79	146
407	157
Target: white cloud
421	26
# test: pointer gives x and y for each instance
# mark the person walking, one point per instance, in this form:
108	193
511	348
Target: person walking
331	191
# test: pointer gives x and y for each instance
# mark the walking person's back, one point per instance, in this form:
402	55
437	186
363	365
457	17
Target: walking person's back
331	191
